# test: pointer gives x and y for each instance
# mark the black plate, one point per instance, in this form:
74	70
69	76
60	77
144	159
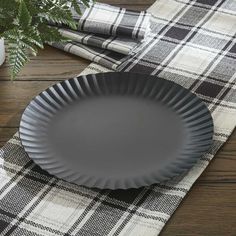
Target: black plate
116	130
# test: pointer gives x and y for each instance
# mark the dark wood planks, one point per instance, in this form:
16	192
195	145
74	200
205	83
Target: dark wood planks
210	206
50	64
14	97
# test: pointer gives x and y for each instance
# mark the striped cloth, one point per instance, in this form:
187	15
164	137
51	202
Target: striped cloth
102	56
117	44
193	44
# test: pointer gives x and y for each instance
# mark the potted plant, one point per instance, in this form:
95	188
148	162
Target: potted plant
24	26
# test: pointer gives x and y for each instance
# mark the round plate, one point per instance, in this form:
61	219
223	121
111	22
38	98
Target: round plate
116	130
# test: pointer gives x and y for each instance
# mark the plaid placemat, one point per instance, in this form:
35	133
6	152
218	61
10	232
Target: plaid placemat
195	46
110	20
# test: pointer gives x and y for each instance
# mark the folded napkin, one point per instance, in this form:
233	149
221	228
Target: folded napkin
110	20
102	56
117	44
106	34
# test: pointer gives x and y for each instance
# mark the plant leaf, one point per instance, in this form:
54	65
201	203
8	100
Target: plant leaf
24	25
85	2
50	34
24	17
76	6
33	36
17	53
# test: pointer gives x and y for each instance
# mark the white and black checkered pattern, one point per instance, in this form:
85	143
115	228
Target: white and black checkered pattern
194	44
102	56
108	31
113	43
109	20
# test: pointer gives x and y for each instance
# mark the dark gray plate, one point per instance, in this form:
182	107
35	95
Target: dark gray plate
116	130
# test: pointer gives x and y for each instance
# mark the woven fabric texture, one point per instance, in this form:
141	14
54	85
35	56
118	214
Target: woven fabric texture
194	45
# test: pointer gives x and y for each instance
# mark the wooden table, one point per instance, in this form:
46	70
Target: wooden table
210	206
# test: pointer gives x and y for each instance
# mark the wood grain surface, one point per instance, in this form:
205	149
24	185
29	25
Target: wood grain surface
208	209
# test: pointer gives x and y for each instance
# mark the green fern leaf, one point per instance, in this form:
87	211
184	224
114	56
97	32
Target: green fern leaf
24	25
60	14
17	52
33	36
85	2
24	17
76	6
50	34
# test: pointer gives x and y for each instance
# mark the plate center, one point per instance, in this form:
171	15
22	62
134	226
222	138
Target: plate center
116	135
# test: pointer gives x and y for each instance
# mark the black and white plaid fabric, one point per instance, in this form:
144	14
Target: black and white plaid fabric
102	56
113	43
109	20
106	27
194	44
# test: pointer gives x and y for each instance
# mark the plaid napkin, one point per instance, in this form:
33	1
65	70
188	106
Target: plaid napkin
113	43
110	20
194	44
104	29
102	56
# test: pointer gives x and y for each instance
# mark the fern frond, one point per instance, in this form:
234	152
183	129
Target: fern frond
50	34
24	25
33	36
60	15
76	6
24	18
17	52
8	11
